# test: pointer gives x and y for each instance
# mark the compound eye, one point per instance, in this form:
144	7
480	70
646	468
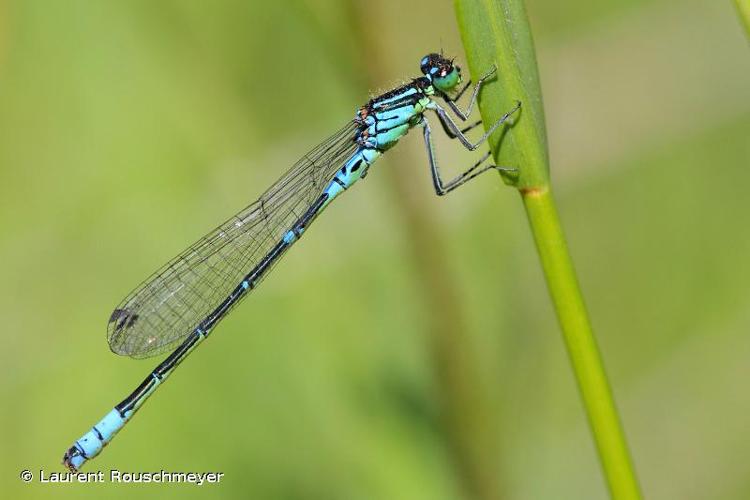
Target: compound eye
430	64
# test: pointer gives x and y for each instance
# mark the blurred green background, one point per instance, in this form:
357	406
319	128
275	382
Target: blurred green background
406	348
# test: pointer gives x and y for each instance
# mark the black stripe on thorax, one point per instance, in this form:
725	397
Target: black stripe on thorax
418	84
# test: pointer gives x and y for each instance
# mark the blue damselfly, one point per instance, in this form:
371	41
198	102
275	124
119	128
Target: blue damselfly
179	305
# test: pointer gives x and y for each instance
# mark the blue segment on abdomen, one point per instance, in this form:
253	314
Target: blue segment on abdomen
102	433
289	237
350	173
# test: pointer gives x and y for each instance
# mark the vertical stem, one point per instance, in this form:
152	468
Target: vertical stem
497	33
580	342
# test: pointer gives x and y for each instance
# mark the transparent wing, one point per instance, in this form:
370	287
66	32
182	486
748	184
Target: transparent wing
170	304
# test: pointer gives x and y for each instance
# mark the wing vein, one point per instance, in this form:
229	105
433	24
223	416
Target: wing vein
173	301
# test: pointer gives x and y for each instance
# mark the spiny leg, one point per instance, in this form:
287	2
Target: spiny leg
464	115
472	172
450	133
449	123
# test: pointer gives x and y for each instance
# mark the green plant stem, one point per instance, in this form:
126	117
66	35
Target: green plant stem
580	342
496	33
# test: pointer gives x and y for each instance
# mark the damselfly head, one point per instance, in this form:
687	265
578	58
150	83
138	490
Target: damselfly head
441	71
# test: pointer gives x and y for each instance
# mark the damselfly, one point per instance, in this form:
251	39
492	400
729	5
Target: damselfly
180	304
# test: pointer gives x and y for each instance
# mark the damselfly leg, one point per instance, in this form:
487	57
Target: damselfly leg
451	102
442	188
453	131
448	122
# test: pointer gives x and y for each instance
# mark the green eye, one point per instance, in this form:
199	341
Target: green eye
447	82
